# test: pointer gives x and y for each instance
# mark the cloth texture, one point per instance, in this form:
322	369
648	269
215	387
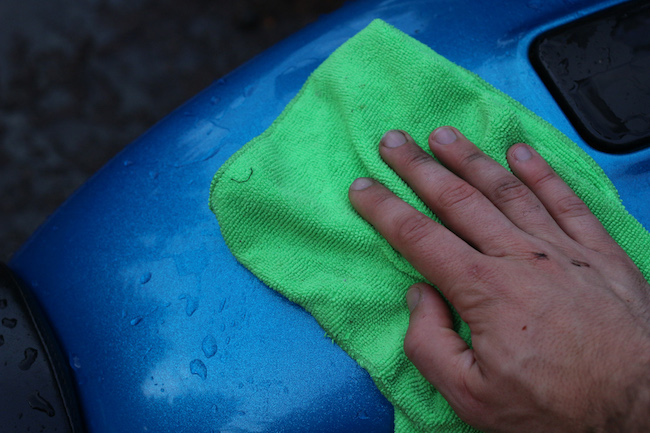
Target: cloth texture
283	210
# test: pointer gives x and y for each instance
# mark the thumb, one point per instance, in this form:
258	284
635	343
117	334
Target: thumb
436	350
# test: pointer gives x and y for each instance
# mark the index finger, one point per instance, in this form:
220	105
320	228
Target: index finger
437	253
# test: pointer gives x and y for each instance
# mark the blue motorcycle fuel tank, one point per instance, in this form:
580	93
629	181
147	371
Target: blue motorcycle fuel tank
163	330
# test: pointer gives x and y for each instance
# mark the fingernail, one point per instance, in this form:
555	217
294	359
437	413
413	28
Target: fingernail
444	135
522	153
413	297
361	183
393	139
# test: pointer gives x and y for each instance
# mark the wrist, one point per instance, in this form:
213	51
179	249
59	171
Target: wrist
630	410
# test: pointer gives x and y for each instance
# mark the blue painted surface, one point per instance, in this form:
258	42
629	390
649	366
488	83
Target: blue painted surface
165	331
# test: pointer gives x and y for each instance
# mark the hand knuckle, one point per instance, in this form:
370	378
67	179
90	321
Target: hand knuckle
477	285
483	273
416	159
469	159
381	199
571	206
412	229
508	189
544	177
457	194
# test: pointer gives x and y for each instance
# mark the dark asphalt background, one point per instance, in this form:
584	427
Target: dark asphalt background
81	79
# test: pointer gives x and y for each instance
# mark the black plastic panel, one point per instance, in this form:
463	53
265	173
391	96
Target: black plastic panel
36	393
598	69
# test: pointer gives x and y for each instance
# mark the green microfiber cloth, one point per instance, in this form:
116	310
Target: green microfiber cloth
282	200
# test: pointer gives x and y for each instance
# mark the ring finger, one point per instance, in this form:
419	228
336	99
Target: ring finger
461	206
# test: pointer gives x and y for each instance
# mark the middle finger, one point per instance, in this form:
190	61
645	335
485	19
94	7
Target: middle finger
461	207
514	199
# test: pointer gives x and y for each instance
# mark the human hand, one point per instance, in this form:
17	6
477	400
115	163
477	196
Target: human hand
559	314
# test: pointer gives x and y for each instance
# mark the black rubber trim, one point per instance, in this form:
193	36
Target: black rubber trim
36	389
598	70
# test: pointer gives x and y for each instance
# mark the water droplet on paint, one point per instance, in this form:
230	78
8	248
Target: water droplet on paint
294	74
250	89
237	102
535	4
191	305
127	163
144	279
9	323
30	358
198	367
362	414
136	320
75	362
194	147
209	346
37	402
